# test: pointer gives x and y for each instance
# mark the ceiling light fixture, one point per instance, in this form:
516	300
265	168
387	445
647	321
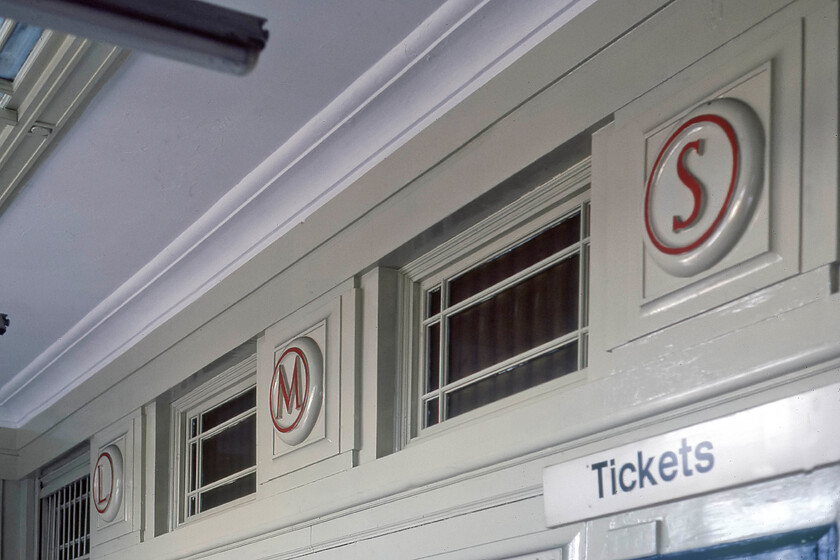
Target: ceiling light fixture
186	30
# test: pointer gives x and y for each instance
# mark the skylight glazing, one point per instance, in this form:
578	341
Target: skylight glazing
17	40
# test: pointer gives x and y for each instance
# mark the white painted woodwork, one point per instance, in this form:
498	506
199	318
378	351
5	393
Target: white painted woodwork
758	68
432	144
124	529
207	394
666	354
217	190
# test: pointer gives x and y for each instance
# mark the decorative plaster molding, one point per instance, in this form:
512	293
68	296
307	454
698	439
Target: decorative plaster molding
444	60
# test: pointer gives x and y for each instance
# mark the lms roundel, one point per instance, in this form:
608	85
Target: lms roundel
108	483
297	390
703	187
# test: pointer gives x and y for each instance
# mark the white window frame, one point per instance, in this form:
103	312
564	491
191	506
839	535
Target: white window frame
225	386
64	477
534	212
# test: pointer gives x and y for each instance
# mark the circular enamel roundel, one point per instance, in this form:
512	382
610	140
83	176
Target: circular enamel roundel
107	487
703	186
297	390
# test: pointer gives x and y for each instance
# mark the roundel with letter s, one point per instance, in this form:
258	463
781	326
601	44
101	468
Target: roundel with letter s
703	187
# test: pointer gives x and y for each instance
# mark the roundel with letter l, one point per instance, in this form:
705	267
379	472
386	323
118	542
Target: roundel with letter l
107	488
296	390
704	186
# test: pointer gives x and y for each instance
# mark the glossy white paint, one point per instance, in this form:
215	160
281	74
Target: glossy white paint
107	483
756	68
121	526
195	221
139	182
322	257
704	186
330	444
473	489
297	390
327	263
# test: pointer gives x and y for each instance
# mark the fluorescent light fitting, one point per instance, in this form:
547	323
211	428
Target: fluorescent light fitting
187	30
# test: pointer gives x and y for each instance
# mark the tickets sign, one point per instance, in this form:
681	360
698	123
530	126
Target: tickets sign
791	435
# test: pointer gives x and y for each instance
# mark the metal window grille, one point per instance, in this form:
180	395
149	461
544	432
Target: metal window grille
65	522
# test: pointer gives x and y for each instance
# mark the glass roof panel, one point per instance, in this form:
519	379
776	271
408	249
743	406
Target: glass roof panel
16	50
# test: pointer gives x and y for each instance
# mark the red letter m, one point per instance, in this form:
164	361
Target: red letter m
287	393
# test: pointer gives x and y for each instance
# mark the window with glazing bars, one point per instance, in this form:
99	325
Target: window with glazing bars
216	441
65	522
512	318
222	453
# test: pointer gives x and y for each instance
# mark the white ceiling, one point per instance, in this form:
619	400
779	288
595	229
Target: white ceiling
175	175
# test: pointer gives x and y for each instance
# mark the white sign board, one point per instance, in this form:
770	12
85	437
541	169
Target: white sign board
795	434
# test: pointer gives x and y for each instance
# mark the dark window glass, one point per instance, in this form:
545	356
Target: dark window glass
529	374
229	409
515	260
433	357
432	408
193	464
533	312
496	315
228	492
433	307
229	451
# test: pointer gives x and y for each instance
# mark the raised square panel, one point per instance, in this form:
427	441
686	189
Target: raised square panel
752	248
306	394
761	71
298	394
116	488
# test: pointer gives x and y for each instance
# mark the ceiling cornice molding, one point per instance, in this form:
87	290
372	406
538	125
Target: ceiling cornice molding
444	60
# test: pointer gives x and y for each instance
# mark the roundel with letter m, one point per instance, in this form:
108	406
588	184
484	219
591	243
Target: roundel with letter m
296	390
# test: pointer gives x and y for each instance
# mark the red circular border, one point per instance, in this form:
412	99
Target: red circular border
733	140
111	490
300	353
